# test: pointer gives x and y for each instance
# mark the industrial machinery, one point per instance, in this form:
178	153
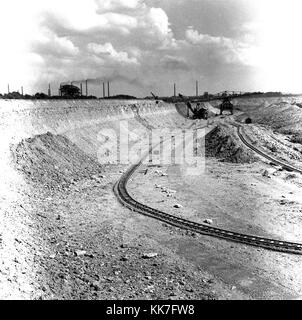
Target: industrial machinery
226	105
200	112
154	96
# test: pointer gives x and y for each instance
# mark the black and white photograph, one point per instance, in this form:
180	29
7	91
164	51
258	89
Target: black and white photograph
150	152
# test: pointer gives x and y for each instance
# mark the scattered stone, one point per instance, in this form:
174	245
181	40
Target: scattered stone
284	201
276	173
95	286
149	288
265	173
79	253
41	215
52	256
173	294
177	205
109	279
208	221
149	255
124	259
233	287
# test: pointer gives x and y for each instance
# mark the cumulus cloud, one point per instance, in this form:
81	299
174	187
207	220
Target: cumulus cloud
128	41
112	37
107	50
116	5
230	50
196	38
50	44
174	63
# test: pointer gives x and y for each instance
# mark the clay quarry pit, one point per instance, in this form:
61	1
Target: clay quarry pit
65	235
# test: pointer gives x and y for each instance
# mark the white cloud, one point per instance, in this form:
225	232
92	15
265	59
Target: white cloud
49	43
107	50
195	37
232	50
114	5
174	63
62	40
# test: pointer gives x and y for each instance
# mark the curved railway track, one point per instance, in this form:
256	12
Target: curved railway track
260	152
120	189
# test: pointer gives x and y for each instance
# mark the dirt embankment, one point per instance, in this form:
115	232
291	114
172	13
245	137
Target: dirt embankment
53	161
283	115
80	242
224	144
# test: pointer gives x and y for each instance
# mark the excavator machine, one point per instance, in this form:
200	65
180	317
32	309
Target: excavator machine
226	105
198	112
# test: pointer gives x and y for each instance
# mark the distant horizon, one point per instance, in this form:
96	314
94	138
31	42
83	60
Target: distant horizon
147	45
82	97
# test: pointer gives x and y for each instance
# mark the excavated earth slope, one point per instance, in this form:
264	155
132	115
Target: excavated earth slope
62	232
223	143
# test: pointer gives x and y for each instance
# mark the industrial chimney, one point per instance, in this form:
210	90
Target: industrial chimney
49	91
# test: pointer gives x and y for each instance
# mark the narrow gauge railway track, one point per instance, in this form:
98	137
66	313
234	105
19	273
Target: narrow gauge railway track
120	189
263	154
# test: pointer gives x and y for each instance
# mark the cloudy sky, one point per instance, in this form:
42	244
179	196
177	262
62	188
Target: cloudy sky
147	45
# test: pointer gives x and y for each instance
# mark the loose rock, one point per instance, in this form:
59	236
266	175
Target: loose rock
79	253
208	221
149	255
177	205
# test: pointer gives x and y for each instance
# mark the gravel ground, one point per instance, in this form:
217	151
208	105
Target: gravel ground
63	235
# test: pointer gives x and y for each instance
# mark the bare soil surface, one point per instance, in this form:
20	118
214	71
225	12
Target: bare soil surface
63	234
239	198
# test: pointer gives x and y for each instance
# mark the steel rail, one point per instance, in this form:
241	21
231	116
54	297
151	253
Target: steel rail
263	154
120	190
